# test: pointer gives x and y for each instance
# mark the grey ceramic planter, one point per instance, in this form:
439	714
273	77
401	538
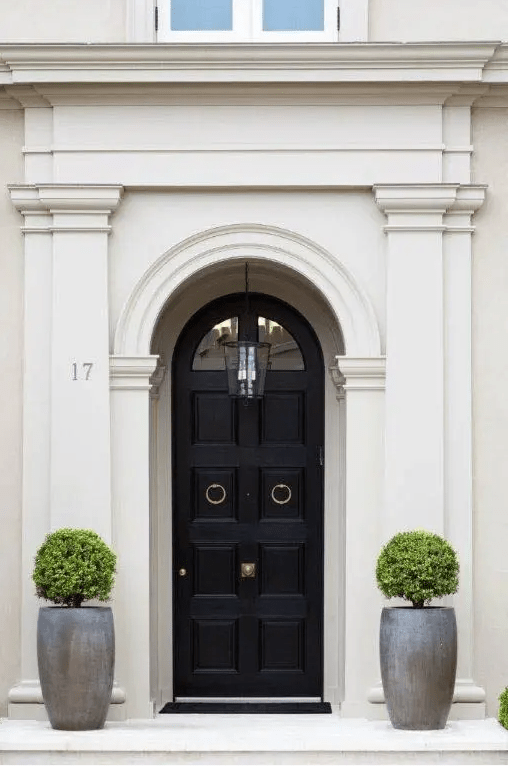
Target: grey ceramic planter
418	651
76	656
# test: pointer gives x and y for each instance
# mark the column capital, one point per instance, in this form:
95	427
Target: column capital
469	199
415	207
66	207
427	207
359	373
132	373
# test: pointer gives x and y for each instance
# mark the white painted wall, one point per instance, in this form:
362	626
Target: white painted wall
388	20
11	333
490	370
411	20
63	21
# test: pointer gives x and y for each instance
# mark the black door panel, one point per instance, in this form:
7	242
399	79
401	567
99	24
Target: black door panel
248	489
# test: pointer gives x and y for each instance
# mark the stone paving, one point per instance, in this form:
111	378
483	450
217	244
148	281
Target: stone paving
253	739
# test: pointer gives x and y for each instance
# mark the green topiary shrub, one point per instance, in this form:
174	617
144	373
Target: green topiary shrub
417	566
72	566
503	708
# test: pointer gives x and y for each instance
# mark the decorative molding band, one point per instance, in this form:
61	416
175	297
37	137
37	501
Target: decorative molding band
29	693
360	374
23	64
73	207
465	691
413	227
131	373
236	147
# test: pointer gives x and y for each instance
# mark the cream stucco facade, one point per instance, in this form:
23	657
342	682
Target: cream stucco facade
365	183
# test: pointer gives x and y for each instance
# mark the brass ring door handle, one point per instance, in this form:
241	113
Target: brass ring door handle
219	500
284	488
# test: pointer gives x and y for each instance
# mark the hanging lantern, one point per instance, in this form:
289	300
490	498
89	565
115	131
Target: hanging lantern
246	361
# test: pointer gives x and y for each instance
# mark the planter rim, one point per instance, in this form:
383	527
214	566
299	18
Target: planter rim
73	608
418	609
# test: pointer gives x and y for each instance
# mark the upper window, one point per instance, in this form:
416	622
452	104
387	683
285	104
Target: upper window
248	20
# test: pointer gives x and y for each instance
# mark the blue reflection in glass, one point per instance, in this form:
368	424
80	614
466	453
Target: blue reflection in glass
201	15
293	15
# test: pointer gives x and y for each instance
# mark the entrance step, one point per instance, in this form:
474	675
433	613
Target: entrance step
253	739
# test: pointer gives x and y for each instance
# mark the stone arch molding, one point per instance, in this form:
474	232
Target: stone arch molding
349	303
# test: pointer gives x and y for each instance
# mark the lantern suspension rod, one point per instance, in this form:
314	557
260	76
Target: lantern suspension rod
246	288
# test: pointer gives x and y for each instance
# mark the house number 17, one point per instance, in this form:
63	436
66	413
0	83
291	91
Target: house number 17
81	371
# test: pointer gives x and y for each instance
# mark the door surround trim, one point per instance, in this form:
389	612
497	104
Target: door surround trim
349	303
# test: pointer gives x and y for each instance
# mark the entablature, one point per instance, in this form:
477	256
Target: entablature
418	63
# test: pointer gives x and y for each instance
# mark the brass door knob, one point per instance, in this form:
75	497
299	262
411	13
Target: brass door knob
248	569
182	572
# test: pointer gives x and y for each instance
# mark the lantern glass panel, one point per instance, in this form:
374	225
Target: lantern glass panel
246	364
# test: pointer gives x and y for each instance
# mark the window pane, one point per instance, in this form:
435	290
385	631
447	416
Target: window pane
293	15
285	352
201	15
210	352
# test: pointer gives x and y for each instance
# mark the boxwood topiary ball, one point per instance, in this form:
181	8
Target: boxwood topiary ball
503	708
72	566
417	566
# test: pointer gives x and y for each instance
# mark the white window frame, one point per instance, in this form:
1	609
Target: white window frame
247	27
354	25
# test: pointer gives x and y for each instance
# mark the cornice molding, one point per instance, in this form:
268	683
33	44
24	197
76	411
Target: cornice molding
132	373
496	69
326	62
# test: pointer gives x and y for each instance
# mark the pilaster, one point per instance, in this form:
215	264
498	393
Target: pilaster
130	470
363	382
414	491
66	440
428	387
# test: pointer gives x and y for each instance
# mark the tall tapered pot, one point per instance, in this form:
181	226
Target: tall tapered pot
418	652
76	657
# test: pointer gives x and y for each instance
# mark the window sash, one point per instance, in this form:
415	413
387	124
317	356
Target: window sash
247	26
242	24
328	34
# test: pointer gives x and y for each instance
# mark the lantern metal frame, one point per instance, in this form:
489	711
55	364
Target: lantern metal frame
246	362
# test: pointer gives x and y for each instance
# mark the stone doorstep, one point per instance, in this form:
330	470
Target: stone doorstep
253	739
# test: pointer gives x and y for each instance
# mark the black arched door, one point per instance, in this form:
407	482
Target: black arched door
248	509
